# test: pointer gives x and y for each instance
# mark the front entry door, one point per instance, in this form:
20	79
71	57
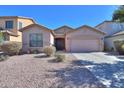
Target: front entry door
60	43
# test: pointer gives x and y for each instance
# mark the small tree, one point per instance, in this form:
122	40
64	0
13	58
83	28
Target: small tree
119	45
118	14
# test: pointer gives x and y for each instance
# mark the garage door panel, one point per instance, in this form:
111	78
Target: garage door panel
84	45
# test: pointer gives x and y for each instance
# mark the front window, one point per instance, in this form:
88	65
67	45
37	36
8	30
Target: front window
9	24
36	40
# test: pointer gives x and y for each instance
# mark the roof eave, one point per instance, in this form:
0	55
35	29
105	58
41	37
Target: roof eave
63	27
18	17
91	28
103	23
22	29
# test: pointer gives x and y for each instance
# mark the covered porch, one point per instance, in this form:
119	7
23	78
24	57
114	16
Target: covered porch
60	42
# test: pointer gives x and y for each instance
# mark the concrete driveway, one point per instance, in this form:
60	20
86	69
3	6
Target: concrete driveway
98	57
106	67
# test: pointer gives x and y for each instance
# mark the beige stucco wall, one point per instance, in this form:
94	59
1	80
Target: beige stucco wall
18	38
51	39
47	38
84	34
62	30
109	42
25	22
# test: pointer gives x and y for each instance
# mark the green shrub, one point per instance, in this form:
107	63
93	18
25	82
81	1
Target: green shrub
11	47
122	47
49	50
119	45
60	57
3	57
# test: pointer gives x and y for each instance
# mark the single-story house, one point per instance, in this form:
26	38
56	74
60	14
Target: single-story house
82	39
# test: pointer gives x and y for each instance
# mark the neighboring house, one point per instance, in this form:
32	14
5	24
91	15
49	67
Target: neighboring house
35	37
82	39
10	25
114	31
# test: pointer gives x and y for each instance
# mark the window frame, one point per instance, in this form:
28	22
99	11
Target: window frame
8	26
36	41
20	23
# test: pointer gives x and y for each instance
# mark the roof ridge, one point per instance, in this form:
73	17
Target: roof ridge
22	29
102	23
34	24
63	26
89	27
117	32
16	16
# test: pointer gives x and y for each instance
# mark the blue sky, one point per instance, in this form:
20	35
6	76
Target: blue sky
55	16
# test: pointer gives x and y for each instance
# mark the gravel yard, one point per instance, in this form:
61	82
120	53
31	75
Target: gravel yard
80	70
38	71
